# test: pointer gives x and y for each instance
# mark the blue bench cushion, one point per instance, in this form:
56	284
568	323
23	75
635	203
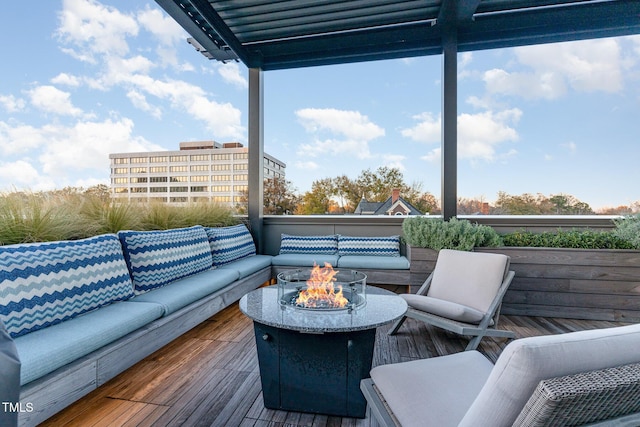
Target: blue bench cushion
374	262
179	294
42	284
308	244
229	244
373	246
156	258
304	260
44	351
249	265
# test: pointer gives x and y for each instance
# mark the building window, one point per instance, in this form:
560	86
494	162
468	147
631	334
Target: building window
220	188
158	190
200	189
120	171
240	167
175	159
119	180
138	170
199	168
158	159
138	180
178	169
217	157
138	160
238	188
158	169
240	177
200	158
139	189
179	189
239	199
179	179
158	179
120	190
221	199
220	177
200	178
223	167
239	156
120	161
178	199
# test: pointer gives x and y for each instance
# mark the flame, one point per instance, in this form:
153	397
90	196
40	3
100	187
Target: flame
320	290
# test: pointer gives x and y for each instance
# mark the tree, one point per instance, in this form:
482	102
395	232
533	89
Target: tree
318	200
279	196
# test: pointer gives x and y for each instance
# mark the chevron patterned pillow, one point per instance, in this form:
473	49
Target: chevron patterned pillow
157	258
42	284
230	243
377	246
308	244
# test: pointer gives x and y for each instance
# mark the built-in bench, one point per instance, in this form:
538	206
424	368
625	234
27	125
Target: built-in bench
80	312
382	258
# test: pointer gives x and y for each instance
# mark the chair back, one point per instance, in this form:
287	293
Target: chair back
468	278
527	361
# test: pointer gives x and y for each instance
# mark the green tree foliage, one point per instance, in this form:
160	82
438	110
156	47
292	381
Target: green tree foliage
529	204
318	200
279	196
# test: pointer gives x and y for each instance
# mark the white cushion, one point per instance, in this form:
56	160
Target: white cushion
468	278
432	392
525	362
450	310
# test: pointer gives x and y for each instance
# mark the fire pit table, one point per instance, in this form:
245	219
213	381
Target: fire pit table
312	358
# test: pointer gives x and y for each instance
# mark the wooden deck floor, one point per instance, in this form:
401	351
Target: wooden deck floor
209	376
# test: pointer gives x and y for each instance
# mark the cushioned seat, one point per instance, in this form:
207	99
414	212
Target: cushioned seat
304	260
249	265
45	350
182	292
374	261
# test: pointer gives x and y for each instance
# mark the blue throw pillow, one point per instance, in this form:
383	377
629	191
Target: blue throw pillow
377	246
157	258
309	244
230	243
42	284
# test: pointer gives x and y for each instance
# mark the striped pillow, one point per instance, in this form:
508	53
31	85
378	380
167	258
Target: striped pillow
157	258
308	244
42	284
230	243
377	246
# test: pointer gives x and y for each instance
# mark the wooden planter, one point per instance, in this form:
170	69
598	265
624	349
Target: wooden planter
589	284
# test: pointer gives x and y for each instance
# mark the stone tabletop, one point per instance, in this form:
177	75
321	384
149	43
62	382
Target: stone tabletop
382	307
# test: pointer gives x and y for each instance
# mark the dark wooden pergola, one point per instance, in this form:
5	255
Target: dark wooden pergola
279	34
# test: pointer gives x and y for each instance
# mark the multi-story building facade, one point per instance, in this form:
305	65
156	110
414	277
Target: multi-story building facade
199	171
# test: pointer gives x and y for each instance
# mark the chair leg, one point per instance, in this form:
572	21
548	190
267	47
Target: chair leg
474	342
397	325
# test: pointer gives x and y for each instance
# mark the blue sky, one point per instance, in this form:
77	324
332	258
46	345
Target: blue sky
82	79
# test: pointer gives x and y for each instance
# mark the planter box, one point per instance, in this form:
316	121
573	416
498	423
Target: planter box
588	284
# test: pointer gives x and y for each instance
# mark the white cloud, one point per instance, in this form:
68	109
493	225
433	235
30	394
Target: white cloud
547	85
571	147
394	161
94	29
52	100
16	139
66	80
140	101
11	103
167	31
478	134
21	174
306	165
350	132
230	73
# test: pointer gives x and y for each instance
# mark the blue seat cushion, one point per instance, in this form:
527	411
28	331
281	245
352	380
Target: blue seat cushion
374	262
373	246
46	350
229	244
156	258
248	266
42	284
290	244
179	294
304	260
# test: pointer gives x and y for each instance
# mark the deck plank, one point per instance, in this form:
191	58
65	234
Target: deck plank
210	377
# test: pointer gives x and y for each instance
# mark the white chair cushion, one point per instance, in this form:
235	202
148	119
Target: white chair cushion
468	278
450	310
525	362
432	392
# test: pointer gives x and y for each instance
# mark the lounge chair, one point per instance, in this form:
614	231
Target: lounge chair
578	378
463	295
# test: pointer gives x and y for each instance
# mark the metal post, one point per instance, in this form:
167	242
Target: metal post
256	156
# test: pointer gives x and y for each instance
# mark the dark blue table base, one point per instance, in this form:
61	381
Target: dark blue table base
316	373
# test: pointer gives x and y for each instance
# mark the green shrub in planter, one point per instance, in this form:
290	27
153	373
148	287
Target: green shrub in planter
577	239
628	228
435	233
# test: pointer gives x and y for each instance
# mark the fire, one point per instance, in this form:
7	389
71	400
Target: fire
320	292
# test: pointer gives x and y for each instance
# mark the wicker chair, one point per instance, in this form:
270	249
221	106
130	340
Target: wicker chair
579	378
